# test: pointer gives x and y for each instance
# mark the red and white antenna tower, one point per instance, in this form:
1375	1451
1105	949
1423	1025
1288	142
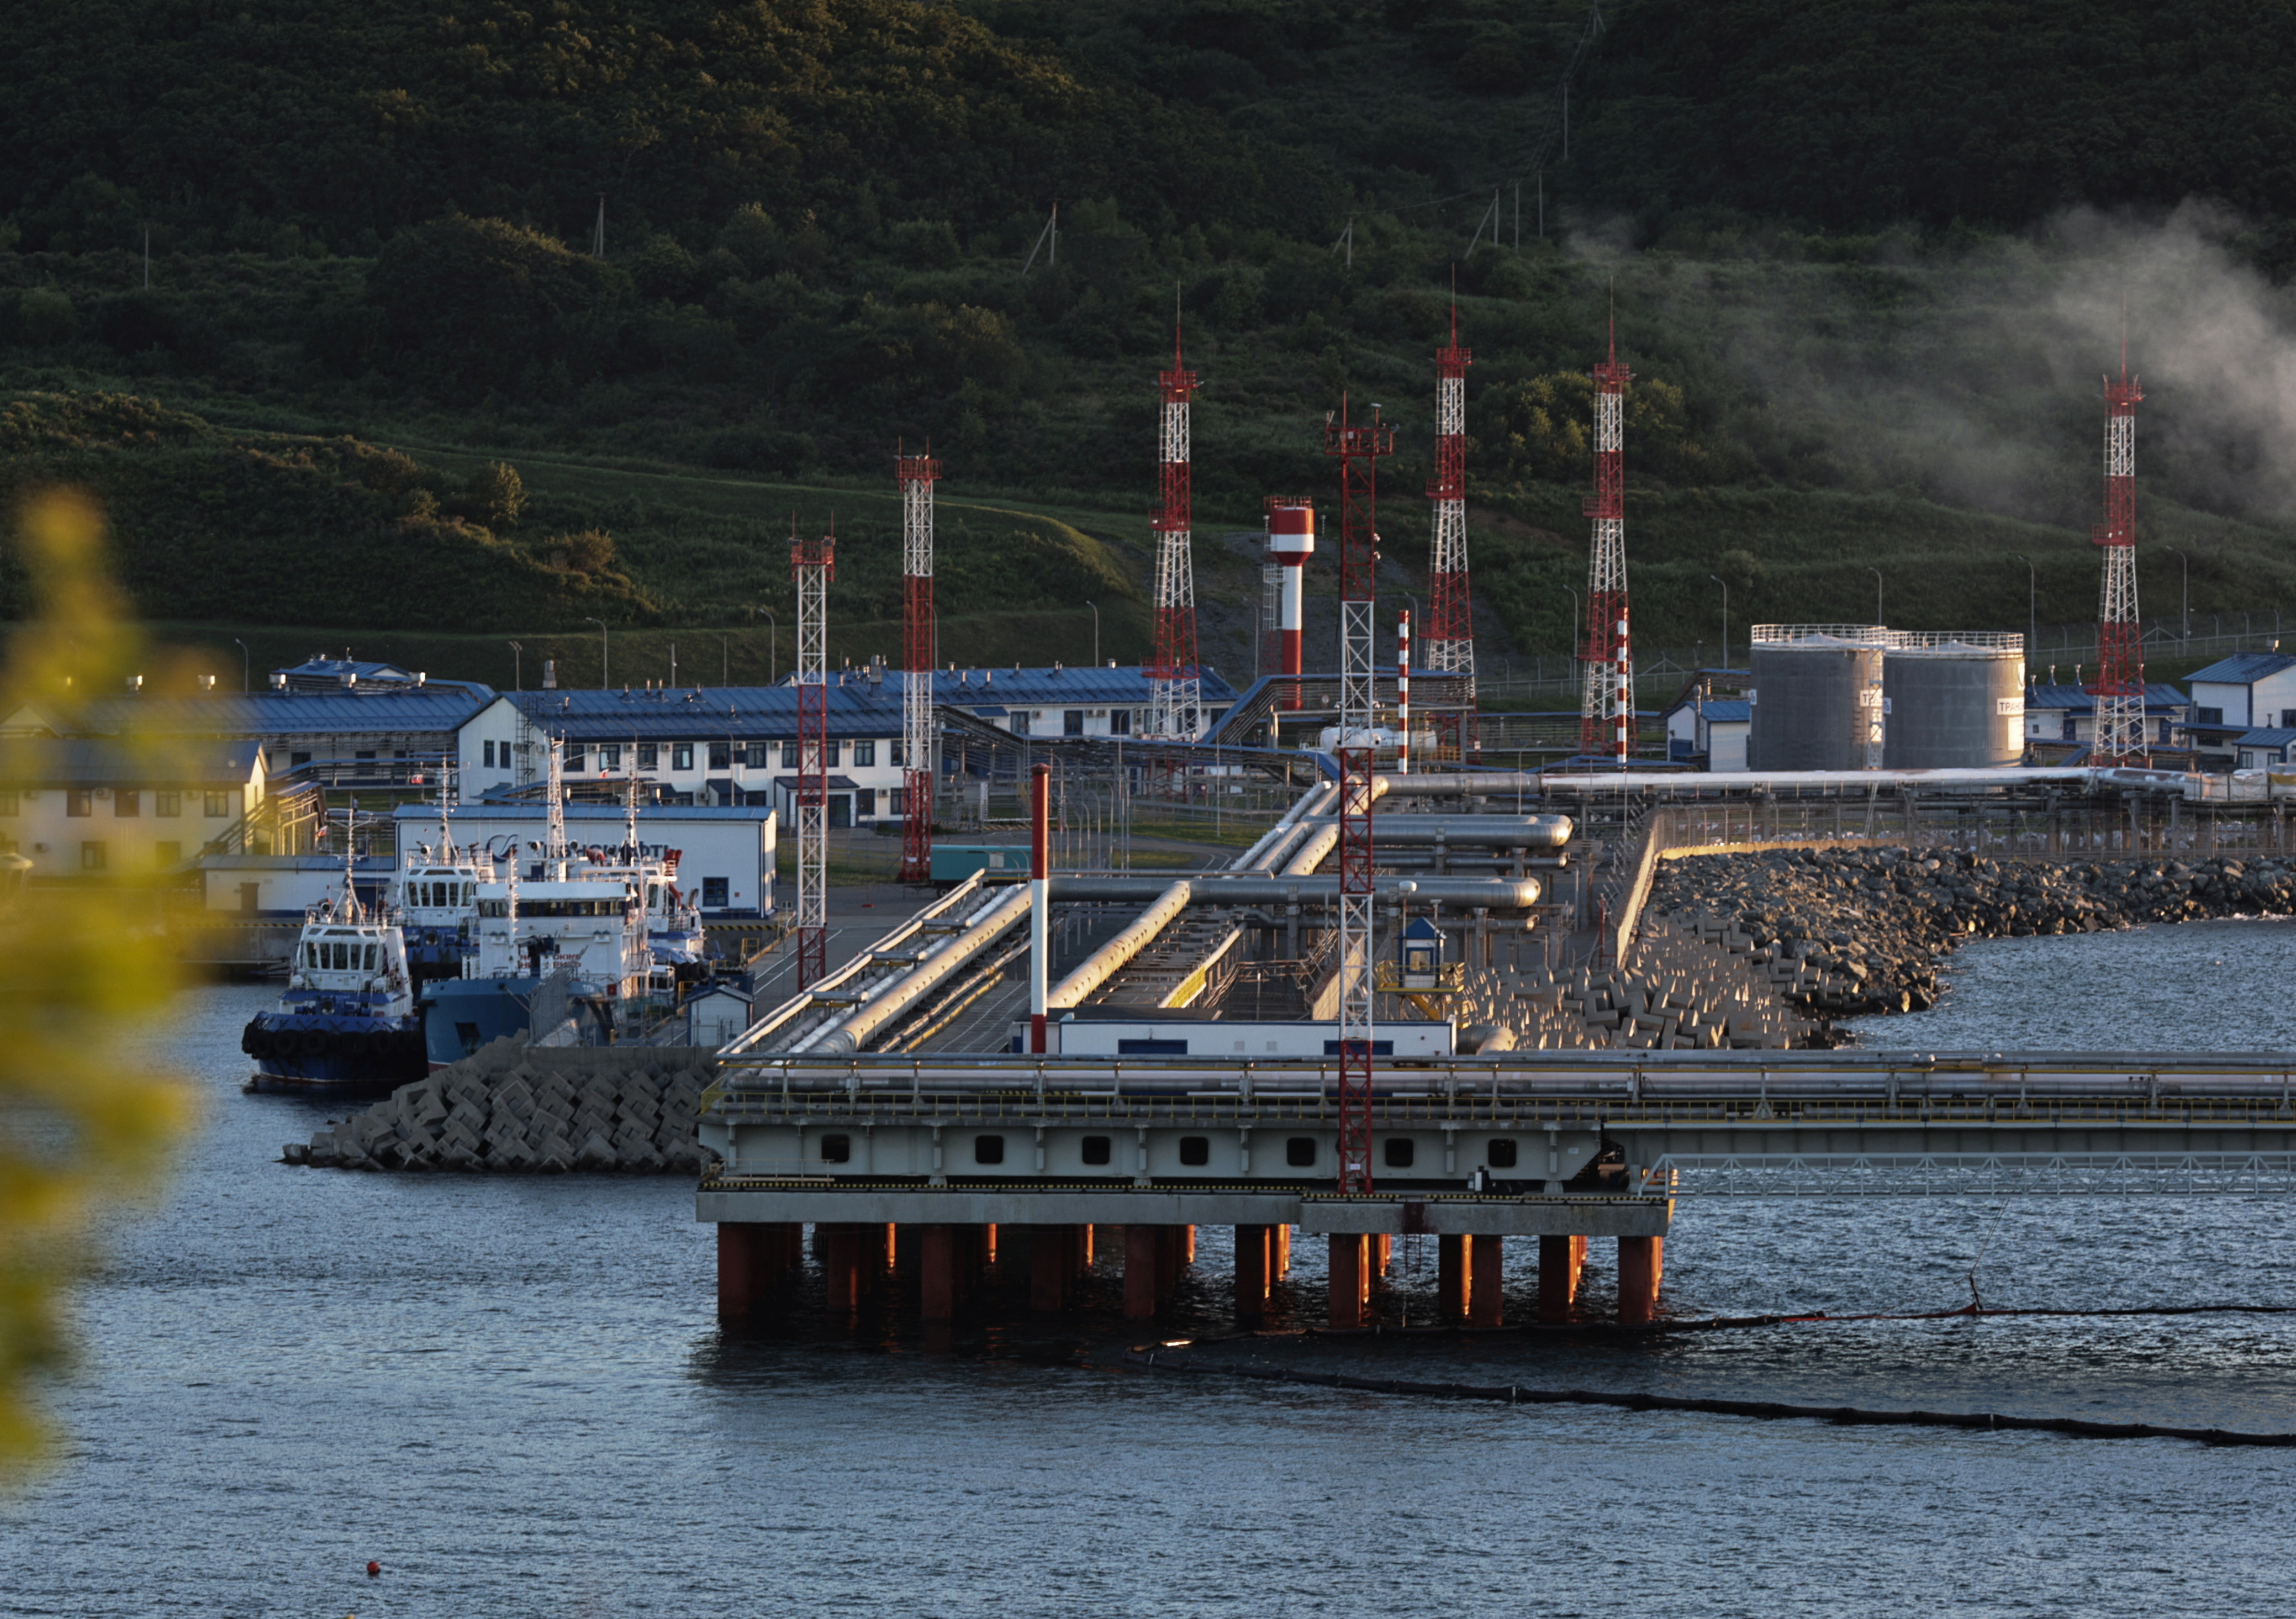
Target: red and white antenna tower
1359	449
813	563
2120	688
916	475
1175	683
1606	714
1450	636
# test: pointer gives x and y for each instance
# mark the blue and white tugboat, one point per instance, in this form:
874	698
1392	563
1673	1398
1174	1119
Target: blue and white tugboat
348	1021
439	902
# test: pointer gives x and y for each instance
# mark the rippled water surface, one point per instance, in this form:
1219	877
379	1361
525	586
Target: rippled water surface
513	1393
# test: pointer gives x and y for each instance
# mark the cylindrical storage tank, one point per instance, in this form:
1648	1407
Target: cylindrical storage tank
1816	697
1955	702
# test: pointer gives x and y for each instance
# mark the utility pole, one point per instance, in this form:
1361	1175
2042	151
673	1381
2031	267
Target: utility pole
2119	689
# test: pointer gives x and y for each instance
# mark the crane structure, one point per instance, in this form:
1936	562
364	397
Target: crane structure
917	475
2120	685
1357	448
1606	711
1450	638
1174	680
813	563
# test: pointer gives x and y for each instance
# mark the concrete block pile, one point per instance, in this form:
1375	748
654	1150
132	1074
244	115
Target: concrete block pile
514	1110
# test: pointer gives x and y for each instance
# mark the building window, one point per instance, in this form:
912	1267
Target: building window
1299	1152
681	756
792	755
758	755
721	755
1119	722
296	760
367	753
865	751
215	806
1399	1149
609	756
578	758
93	857
126	802
713	893
1500	1154
2071	732
864	804
837	1149
649	756
893	752
2208	716
167	805
487	752
1072	722
989	1149
1020	722
1195	1151
1096	1149
79	800
11	802
168	852
897	800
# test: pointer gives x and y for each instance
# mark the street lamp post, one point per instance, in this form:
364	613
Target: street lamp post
1876	572
773	653
605	676
246	666
1095	633
2180	557
517	666
1575	606
1725	583
2032	609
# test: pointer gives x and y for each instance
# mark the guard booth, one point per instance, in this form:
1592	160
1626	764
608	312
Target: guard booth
1422	955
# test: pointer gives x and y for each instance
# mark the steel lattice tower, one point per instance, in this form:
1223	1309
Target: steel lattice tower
1174	682
1606	714
917	475
2120	688
1358	450
813	563
1450	638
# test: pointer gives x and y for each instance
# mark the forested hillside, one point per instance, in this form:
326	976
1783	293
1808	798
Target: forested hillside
1864	260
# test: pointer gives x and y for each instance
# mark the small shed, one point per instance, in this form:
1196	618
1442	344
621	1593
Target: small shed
718	1015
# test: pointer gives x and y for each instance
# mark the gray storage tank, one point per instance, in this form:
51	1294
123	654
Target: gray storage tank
1955	700
1817	697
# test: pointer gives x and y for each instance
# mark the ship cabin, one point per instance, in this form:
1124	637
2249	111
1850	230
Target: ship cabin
349	967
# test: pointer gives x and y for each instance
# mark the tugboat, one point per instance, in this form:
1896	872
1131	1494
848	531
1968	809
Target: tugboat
439	902
557	958
348	1021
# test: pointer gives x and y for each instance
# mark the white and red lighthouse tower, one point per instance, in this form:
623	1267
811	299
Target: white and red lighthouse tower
2119	689
1291	542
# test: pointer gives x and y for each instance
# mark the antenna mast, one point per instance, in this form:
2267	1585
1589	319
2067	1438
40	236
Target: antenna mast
2120	688
1606	714
1174	682
814	563
917	475
1450	638
1357	449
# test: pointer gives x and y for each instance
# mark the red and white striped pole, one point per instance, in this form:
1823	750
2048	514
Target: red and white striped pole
1403	693
1291	542
1040	901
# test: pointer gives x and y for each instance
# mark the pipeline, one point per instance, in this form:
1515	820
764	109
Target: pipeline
1497	893
1509	1393
1481	831
1104	963
850	1032
1270	851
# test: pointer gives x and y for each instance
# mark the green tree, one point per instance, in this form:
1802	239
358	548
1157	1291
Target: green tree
469	304
495	494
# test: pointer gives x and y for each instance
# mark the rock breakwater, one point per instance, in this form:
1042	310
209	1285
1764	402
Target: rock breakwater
1849	933
510	1109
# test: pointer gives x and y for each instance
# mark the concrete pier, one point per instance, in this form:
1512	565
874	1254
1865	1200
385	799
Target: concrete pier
754	1258
1350	1279
1142	1261
1254	1247
1451	1279
1561	1262
940	1286
1485	1305
1641	1263
1051	1266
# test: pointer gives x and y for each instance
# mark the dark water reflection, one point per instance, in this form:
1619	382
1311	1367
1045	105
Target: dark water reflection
513	1393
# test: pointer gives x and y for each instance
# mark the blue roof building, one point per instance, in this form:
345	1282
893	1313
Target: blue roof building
2246	691
2264	748
2066	715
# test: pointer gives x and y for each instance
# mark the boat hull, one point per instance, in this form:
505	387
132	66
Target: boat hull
299	1051
461	1015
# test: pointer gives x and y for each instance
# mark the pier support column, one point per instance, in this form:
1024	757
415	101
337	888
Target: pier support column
751	1258
1052	1261
936	1268
1485	1306
1084	1249
841	1263
1350	1283
1560	1259
1187	1245
1251	1246
1170	1244
1382	1252
987	1247
1281	1252
1642	1260
1143	1289
1451	1279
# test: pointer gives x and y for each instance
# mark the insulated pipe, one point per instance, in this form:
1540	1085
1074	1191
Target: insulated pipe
1480	831
1267	852
1040	904
1500	893
1098	968
849	1032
